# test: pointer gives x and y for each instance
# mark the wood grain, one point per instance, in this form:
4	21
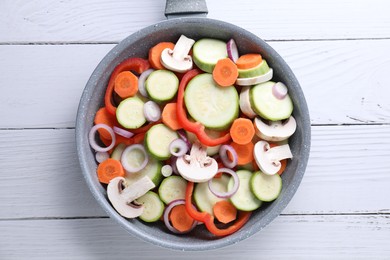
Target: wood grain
347	174
288	237
111	21
345	82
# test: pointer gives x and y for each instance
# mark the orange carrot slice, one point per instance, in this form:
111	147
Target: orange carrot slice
180	219
242	131
169	116
155	54
244	152
102	116
248	61
225	72
126	84
109	169
224	211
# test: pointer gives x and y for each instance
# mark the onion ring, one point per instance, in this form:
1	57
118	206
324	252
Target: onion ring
166	170
122	132
178	147
125	161
225	158
168	209
94	144
101	156
279	90
232	191
141	82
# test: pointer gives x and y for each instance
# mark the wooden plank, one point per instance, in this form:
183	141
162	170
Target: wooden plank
338	88
107	21
298	237
347	173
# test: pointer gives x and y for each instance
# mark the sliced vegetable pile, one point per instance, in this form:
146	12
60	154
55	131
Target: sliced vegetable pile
189	146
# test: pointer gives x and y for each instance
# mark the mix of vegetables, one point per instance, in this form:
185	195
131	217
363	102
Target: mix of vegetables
187	145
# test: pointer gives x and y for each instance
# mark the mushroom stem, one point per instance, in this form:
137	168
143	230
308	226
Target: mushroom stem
278	153
137	189
121	199
268	159
182	47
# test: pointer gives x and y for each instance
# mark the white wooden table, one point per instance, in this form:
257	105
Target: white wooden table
340	52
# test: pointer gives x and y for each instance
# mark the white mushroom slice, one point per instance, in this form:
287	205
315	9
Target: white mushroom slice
268	159
245	104
197	167
275	131
178	59
255	80
121	199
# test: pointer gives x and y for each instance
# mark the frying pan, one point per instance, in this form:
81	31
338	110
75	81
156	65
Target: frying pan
188	18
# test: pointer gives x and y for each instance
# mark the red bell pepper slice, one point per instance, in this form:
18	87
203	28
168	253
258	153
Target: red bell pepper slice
195	127
138	65
208	220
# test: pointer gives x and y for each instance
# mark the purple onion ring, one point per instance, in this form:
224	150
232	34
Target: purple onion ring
223	150
168	209
232	191
125	162
279	90
122	132
141	82
94	144
178	147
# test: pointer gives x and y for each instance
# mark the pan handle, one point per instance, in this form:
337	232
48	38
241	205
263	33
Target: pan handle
185	8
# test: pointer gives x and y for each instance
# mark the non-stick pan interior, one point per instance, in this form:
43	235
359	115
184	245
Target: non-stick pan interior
137	45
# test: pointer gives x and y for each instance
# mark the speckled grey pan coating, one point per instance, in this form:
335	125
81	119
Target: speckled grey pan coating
137	45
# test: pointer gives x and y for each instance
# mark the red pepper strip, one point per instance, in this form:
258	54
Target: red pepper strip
208	220
135	64
195	127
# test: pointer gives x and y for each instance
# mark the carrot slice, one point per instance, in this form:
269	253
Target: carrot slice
224	211
169	116
242	131
225	72
180	219
248	61
109	169
102	116
126	84
155	54
244	152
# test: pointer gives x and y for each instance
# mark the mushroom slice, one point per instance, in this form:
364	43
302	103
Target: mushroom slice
178	59
121	199
197	166
275	131
268	159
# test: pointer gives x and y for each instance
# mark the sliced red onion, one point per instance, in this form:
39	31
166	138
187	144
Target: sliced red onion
122	132
232	50
166	170
101	156
94	144
178	147
141	82
279	90
168	209
173	165
152	111
232	191
125	162
183	135
223	154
